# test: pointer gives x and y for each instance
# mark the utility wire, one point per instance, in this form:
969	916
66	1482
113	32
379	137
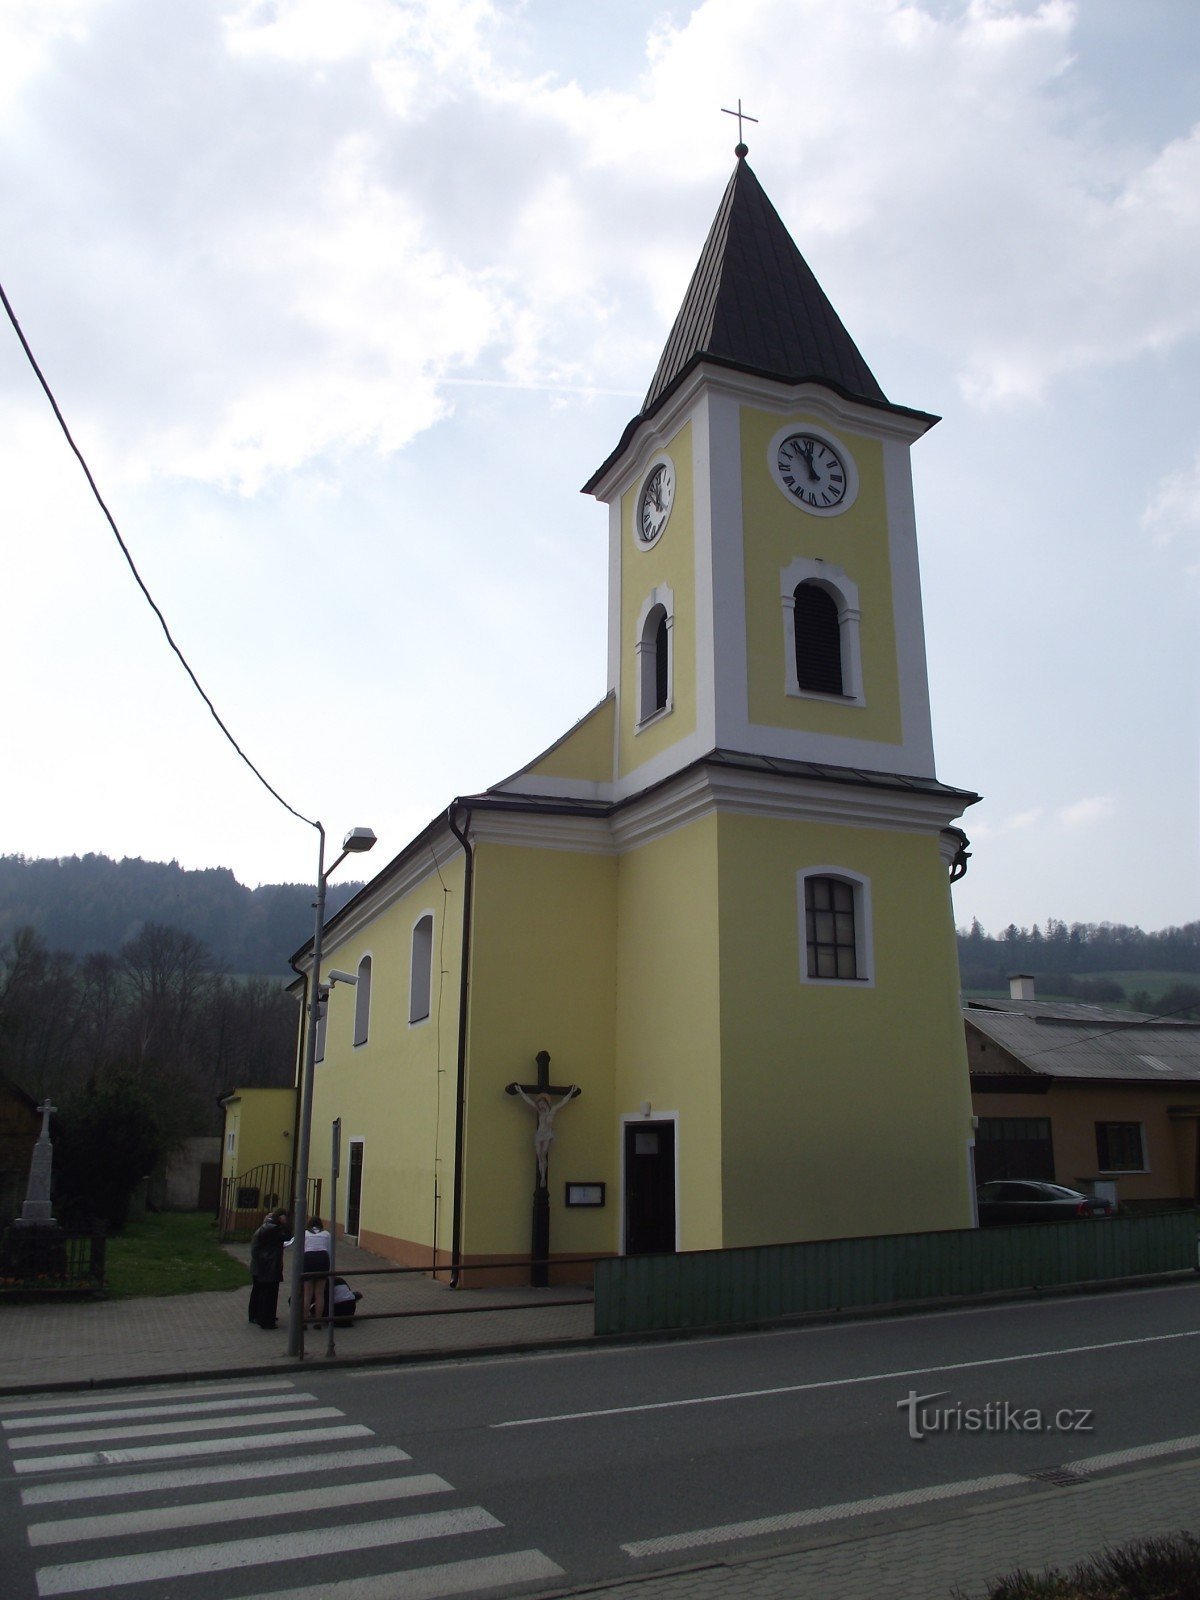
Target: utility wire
12	317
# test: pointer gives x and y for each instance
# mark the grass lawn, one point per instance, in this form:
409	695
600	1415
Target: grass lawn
175	1252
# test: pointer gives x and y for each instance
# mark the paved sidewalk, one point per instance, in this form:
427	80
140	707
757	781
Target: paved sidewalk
45	1345
963	1550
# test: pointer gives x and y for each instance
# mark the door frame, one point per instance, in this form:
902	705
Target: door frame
636	1117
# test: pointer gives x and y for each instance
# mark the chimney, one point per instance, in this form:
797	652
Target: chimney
1020	986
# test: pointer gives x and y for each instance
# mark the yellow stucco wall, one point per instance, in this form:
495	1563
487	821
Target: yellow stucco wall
776	532
542	978
668	1011
671	561
261	1121
396	1092
846	1108
586	752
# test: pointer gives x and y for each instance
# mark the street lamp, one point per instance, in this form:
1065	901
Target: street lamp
356	842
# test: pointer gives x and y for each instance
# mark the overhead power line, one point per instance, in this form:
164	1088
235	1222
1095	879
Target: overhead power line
12	317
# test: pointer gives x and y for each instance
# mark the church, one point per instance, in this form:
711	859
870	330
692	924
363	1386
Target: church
719	906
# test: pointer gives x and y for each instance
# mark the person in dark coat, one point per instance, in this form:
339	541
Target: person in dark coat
266	1267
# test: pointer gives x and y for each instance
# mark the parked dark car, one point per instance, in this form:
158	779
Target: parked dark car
1010	1201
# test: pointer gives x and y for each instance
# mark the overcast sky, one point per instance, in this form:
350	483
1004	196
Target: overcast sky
343	302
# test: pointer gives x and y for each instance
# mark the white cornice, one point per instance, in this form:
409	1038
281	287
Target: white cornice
653	432
543	830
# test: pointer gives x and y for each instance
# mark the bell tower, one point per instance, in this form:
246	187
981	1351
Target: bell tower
764	593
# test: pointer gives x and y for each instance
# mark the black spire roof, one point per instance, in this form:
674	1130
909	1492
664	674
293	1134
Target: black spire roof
754	304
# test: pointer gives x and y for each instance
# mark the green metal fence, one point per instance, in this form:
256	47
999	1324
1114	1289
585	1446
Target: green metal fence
706	1288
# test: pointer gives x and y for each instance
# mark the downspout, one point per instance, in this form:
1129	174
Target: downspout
461	1092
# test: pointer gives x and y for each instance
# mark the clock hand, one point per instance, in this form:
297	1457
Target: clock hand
813	475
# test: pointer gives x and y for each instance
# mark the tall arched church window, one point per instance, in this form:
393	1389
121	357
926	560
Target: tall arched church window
821	631
362	1001
655	668
422	967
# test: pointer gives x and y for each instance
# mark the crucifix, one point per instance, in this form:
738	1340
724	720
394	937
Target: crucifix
741	148
545	1100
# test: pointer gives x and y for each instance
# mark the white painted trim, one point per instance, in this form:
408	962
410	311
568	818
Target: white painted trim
844	591
842	451
704	598
379	895
727	558
864	932
655	1116
908	617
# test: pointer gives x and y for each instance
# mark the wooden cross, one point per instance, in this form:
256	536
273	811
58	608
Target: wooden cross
546	1100
741	148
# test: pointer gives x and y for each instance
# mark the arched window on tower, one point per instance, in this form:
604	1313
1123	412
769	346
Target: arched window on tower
818	640
362	1001
654	664
821	632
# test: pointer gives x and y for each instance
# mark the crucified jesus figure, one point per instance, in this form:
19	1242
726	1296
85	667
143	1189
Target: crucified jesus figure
545	1110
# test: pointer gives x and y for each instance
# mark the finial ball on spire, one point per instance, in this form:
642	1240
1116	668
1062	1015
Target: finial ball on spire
741	151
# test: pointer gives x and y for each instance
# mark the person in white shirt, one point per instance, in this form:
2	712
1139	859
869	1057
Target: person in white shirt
317	1245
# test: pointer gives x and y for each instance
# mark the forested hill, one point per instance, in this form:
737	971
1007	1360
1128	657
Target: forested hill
91	903
1078	950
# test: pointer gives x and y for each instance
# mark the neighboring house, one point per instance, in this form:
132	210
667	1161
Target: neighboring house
256	1151
191	1177
20	1124
721	901
1091	1096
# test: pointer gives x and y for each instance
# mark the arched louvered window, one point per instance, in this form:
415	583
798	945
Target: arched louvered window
818	640
362	1001
654	655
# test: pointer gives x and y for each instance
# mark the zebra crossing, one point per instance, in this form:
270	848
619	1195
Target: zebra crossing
162	1493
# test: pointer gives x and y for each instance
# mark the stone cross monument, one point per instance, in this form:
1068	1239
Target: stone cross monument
37	1212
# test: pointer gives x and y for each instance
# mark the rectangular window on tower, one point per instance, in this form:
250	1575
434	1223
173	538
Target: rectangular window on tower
835	922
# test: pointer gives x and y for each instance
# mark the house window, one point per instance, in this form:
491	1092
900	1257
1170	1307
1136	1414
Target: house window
422	966
818	640
1119	1147
362	1001
655	668
835	921
231	1141
821	633
322	1017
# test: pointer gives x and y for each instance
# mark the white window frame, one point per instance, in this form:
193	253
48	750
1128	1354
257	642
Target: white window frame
864	938
646	657
844	592
362	1001
415	1020
322	1029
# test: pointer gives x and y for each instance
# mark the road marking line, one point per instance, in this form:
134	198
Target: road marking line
45	1494
431	1583
209	1513
191	1447
844	1383
1140	1452
183	1410
818	1514
123	1397
295	1545
146	1430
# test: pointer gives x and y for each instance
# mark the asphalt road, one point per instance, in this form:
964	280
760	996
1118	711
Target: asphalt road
540	1471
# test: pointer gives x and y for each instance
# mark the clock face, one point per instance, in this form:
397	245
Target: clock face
812	470
655	501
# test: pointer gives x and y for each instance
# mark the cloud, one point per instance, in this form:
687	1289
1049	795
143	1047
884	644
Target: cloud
1082	813
1174	507
1016	823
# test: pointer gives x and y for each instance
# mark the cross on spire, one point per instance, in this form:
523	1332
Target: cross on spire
741	149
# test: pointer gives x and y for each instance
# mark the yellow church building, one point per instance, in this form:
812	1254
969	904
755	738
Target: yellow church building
721	901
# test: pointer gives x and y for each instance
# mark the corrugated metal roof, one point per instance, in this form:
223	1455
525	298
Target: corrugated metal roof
1108	1045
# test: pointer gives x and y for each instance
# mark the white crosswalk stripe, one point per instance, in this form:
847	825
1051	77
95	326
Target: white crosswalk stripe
315	1518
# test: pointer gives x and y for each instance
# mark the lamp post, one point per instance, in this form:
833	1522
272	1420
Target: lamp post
356	842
